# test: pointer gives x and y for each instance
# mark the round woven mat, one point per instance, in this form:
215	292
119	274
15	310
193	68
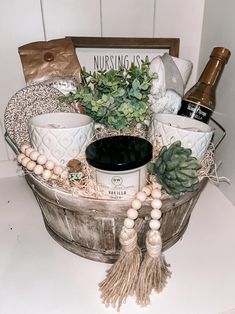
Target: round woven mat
27	103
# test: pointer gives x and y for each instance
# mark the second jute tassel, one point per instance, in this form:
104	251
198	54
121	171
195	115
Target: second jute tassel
130	274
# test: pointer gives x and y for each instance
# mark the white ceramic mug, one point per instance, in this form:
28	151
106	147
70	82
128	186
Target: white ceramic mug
61	136
168	128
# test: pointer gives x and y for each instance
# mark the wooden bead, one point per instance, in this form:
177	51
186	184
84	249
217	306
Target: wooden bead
124	235
147	190
157	185
154	224
156	214
132	213
156	203
129	223
46	174
54	176
31	165
34	155
64	175
24	147
28	151
49	164
141	196
41	160
38	169
20	157
136	204
24	161
58	170
156	193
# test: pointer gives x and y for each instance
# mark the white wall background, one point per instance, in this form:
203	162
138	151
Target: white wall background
26	21
20	22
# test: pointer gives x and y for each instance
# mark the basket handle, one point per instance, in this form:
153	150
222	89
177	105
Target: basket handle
222	135
11	144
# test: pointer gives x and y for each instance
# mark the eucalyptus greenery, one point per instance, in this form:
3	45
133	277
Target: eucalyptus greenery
116	98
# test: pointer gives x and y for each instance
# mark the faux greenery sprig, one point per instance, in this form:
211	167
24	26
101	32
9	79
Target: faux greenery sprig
116	98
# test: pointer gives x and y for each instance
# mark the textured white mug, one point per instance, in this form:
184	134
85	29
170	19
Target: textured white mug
168	128
61	136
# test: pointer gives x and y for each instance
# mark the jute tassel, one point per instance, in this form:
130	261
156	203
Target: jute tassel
154	270
126	276
122	277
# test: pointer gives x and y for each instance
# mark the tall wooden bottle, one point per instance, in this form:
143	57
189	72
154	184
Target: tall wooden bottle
199	102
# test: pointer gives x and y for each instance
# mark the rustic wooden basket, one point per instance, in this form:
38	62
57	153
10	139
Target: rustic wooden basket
86	226
90	227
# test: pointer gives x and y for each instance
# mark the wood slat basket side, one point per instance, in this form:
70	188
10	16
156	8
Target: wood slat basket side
90	227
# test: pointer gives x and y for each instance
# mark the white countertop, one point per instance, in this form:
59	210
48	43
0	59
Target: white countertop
38	276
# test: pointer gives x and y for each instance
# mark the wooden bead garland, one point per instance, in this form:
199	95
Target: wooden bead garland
38	163
136	204
156	204
131	273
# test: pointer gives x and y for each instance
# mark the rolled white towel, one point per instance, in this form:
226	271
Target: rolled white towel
168	88
169	103
185	67
158	88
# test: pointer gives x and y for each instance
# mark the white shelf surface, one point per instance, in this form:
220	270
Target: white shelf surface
38	276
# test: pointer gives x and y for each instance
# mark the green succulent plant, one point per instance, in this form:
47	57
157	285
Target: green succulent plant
176	169
116	98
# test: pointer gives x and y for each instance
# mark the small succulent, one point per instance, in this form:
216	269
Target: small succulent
75	176
176	169
116	98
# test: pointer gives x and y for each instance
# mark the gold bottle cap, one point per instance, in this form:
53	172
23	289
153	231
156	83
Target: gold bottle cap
221	53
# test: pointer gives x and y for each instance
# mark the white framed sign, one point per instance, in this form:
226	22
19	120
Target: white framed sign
104	53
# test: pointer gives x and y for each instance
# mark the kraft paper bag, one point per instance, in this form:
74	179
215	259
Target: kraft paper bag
49	60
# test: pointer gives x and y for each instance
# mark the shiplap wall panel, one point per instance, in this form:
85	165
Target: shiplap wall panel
71	17
127	18
183	19
20	23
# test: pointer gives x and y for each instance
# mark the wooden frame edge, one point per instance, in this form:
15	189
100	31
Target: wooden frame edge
128	42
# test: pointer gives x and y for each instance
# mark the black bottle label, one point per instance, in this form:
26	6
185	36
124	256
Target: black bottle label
194	111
